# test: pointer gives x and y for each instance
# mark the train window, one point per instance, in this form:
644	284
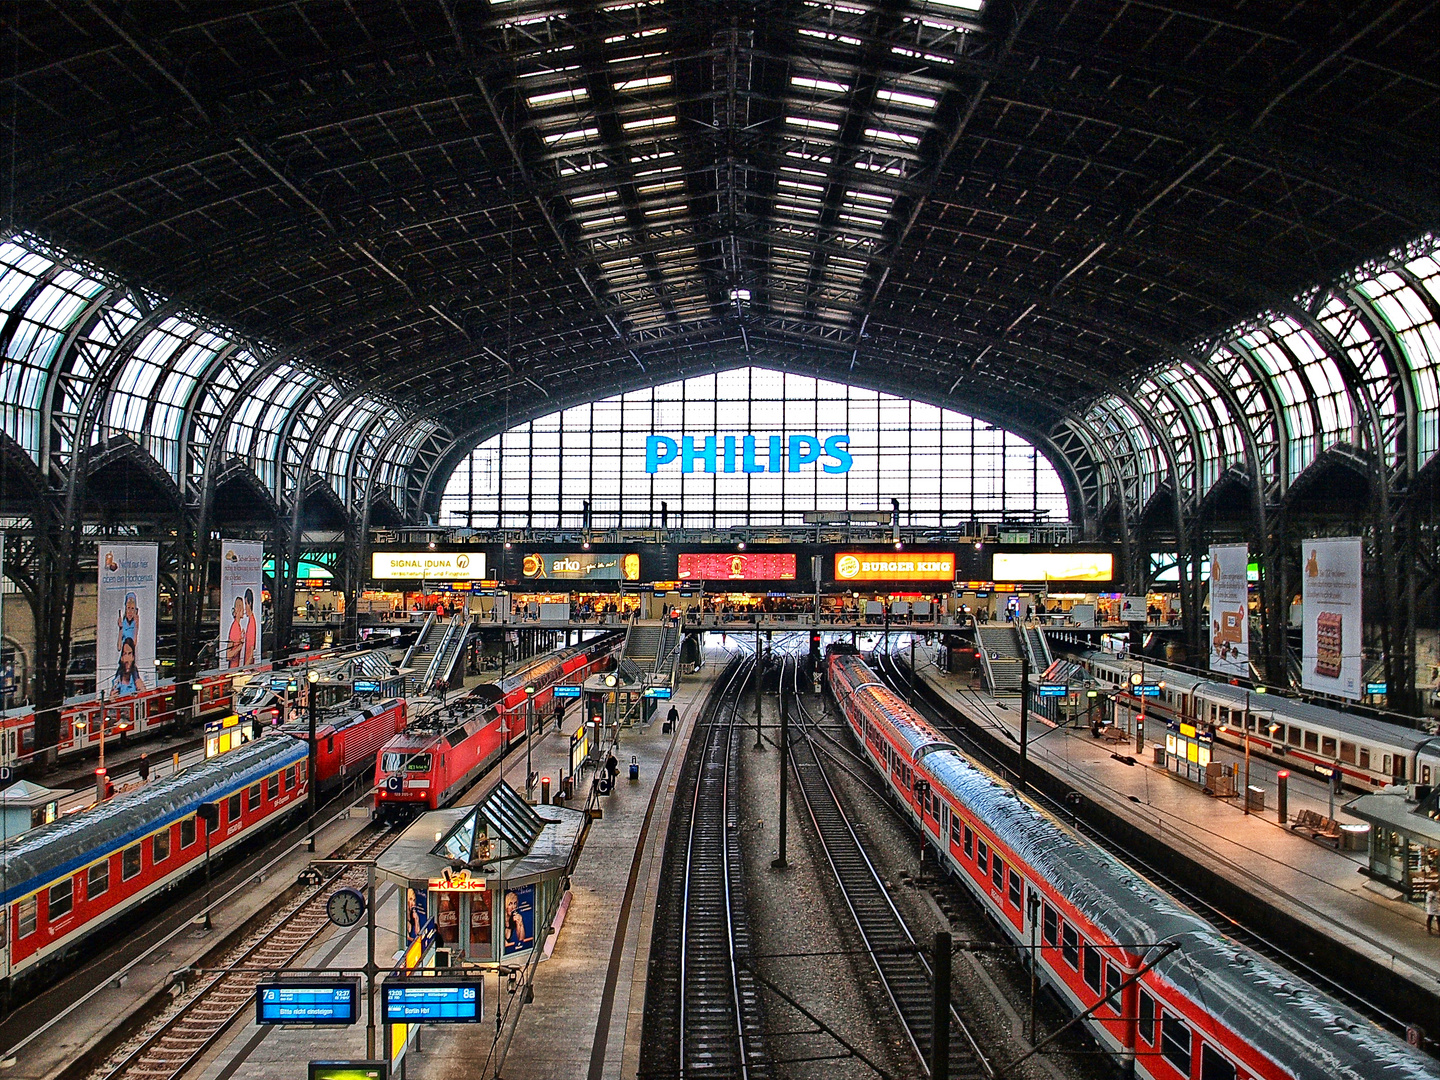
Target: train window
289	777
25	917
62	899
1296	736
254	799
1347	752
982	858
97	880
1070	945
301	766
330	745
1175	1044
954	829
1364	757
1015	896
969	842
130	862
272	786
997	873
1213	1066
1147	1018
1113	980
1327	746
1049	925
1092	967
1312	741
160	847
27	739
232	809
187	831
1424	774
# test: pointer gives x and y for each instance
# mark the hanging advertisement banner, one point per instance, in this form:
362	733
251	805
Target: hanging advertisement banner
242	612
125	618
582	566
519	919
1057	566
1331	657
432	565
736	566
1229	609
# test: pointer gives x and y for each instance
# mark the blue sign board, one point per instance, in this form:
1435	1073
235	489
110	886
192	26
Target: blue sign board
431	1001
1053	690
308	1001
658	692
1377	688
278	684
1146	689
365	686
564	691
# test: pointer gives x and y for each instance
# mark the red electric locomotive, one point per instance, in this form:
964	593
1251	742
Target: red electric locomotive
425	768
348	737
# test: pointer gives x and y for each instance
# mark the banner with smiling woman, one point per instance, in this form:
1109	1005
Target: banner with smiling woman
242	612
125	618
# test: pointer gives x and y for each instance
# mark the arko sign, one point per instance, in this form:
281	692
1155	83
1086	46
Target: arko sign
748	454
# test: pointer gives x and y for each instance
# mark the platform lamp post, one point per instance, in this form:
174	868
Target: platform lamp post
311	794
529	736
1258	690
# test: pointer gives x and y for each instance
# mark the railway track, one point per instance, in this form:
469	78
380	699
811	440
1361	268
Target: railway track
177	1040
902	965
921	700
703	1015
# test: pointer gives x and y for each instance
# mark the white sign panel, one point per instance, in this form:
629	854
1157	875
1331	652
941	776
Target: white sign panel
1133	609
430	565
241	609
125	618
1229	609
1331	658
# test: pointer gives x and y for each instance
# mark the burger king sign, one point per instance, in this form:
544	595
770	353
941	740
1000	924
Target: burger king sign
895	566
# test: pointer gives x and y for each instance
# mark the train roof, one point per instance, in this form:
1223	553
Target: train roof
1281	707
64	846
1268	1009
329	723
916	732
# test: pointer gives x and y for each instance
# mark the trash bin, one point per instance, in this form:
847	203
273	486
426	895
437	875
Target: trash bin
1355	837
1160	755
634	767
1255	796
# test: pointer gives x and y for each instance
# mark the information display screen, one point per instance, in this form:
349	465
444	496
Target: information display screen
737	566
431	1001
310	1001
1052	566
566	691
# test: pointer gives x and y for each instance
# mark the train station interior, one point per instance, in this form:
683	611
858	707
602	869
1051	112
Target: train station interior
463	461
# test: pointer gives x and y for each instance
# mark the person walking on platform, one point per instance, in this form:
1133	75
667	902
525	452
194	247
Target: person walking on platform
612	766
144	768
1432	907
440	689
559	716
673	718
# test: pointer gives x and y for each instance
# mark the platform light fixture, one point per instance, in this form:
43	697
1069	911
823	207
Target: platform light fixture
741	545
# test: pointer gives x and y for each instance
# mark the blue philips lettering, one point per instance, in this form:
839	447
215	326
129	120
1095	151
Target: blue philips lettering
689	455
659	449
803	450
748	464
838	447
729	453
776	453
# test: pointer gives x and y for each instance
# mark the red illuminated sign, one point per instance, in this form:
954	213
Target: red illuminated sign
737	566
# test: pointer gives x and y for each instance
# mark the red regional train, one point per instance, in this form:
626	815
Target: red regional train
135	715
423	770
347	738
66	880
1173	998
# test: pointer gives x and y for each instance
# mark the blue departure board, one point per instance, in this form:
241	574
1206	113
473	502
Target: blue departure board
432	1001
1053	690
308	1001
658	692
567	691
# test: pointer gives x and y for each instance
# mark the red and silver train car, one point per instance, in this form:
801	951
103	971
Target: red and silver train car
135	715
1368	753
68	879
423	770
1175	999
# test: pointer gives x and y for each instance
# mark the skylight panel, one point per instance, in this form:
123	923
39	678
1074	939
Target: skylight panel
796	208
819	159
659	155
870	196
664	169
573	135
663	211
648	83
637	35
648	123
809	124
583	167
803	172
637	57
962	5
827	85
889	168
553	96
825	35
897	97
798	186
601	222
912	54
739	294
598	196
659	189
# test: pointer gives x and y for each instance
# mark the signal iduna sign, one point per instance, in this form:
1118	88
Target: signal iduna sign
895	566
430	565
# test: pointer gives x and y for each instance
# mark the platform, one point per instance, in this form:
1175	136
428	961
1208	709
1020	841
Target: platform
589	995
1306	879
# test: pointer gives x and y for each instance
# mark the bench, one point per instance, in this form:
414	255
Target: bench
1317	826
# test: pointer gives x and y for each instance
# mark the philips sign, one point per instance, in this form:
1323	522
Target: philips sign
741	454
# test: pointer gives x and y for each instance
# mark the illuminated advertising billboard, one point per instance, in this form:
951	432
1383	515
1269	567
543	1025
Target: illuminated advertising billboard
430	565
581	566
737	566
895	566
1053	566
